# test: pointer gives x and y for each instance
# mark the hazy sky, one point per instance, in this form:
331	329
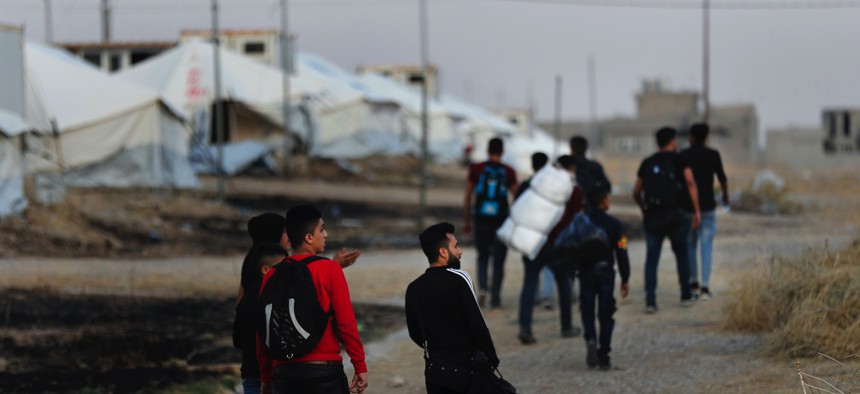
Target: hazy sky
789	63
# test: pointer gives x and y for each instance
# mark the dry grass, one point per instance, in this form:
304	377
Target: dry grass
807	305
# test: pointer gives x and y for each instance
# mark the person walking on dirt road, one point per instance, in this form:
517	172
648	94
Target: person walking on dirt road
491	183
444	319
706	163
661	180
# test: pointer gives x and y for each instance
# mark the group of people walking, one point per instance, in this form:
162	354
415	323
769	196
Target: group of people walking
283	352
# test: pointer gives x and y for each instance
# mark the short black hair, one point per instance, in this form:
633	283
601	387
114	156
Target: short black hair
566	161
435	237
255	259
301	220
665	136
596	195
496	146
267	227
578	145
539	159
699	131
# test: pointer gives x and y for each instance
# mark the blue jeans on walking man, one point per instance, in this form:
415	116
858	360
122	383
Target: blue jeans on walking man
488	244
531	273
705	233
654	243
597	283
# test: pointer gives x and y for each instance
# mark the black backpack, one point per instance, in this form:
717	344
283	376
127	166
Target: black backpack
582	243
293	319
590	175
661	186
491	192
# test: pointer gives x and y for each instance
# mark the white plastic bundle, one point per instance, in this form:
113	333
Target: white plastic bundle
537	211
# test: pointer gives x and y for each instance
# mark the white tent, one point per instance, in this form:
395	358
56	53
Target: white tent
184	76
12	198
107	132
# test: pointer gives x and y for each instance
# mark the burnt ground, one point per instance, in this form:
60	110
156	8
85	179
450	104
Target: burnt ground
53	342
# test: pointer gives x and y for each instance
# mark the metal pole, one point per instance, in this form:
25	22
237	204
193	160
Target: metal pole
219	109
425	67
285	66
592	100
706	59
557	126
105	20
49	28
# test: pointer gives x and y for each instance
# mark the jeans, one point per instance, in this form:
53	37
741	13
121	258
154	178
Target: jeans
251	386
310	379
598	284
488	244
654	243
705	233
531	272
548	279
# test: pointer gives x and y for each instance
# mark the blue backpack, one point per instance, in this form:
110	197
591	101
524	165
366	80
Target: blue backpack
491	192
582	243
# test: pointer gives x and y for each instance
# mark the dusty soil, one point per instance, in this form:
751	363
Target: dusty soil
106	290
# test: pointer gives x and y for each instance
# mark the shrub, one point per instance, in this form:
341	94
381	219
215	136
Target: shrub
806	305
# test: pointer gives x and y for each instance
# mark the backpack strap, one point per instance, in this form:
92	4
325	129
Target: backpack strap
307	260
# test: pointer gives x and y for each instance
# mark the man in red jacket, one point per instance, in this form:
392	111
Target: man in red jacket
321	370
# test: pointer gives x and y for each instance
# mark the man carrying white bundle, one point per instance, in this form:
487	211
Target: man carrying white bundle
537	217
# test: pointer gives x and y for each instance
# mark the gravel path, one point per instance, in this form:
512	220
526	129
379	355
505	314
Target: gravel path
677	350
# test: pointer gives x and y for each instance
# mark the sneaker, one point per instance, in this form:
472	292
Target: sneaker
546	304
651	309
526	338
571	332
482	298
694	286
689	301
706	294
591	357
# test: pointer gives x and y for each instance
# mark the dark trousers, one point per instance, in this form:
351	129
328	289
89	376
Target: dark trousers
531	273
654	244
310	379
597	284
488	245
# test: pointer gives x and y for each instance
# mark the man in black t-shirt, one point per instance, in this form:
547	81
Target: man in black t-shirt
706	163
662	181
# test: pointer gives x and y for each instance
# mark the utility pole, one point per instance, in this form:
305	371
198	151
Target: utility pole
425	105
49	28
592	100
706	59
286	53
557	125
105	20
219	109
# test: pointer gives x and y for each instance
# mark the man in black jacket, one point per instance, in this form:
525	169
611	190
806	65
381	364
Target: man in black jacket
444	319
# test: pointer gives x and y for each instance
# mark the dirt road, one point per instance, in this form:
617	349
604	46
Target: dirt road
678	350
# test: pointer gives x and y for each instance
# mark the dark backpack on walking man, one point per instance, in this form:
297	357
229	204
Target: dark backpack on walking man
491	192
582	243
293	319
661	186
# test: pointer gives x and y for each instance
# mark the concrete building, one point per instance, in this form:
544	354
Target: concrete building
734	128
116	56
262	45
842	130
411	76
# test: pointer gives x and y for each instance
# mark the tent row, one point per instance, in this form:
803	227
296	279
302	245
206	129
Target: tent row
73	125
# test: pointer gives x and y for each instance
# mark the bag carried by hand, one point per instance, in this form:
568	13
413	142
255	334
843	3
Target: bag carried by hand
488	379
